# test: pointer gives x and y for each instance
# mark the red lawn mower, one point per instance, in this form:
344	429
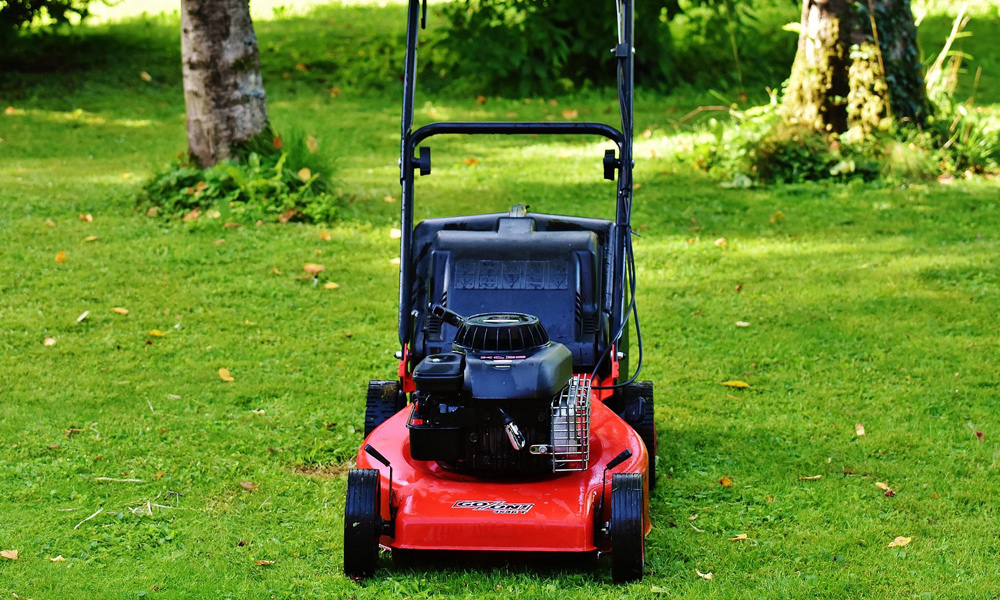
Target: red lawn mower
513	425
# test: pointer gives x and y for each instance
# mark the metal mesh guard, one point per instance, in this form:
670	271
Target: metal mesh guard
571	426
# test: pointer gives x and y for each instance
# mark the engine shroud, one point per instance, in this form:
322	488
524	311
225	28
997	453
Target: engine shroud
503	370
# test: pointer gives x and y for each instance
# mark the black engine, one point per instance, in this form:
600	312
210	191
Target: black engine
486	407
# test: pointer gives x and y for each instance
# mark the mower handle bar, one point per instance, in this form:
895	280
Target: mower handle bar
515	128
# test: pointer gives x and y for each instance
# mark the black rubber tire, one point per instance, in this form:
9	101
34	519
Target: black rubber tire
628	532
383	401
362	523
637	408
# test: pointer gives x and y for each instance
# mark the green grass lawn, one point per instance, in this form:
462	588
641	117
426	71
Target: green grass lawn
871	304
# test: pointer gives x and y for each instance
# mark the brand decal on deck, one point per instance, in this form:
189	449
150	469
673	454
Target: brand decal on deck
497	507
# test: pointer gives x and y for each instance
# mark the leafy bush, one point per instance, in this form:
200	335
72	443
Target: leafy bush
957	139
15	14
545	46
270	180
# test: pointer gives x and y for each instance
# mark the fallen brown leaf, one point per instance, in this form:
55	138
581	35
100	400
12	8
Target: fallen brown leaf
288	215
157	333
191	216
480	100
153	211
329	285
726	482
60	257
721	242
57	559
471	161
811	478
899	542
706	576
335	91
90	238
859	429
231	225
88	218
225	376
264	562
145	76
218	242
325	236
49	341
742	324
50	223
570	114
777	217
305	174
119	310
979	435
312	144
277	143
249	485
9	554
275	271
738	537
313	268
83	316
696	529
881	486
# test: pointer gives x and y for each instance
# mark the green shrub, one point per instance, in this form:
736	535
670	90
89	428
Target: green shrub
269	179
15	14
555	46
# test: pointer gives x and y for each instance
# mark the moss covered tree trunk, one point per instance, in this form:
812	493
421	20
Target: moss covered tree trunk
223	88
857	67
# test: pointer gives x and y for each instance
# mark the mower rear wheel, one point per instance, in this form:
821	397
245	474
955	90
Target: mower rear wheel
362	523
628	535
384	400
637	405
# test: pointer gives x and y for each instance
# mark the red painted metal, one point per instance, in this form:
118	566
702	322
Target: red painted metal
440	510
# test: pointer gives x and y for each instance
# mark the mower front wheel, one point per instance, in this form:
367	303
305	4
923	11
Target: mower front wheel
362	523
628	534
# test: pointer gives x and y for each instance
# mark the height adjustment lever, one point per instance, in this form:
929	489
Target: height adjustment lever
423	161
611	163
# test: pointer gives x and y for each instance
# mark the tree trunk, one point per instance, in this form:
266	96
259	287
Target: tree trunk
223	89
857	67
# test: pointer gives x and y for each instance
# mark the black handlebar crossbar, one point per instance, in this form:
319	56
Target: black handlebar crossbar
515	128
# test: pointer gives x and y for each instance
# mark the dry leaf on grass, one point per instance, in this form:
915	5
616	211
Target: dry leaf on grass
145	76
707	576
882	486
264	563
60	257
90	238
49	341
811	478
50	223
9	554
742	324
304	174
735	384
83	316
313	268
87	218
325	236
231	225
119	310
249	485
859	429
570	114
726	482
721	242
312	144
157	333
58	559
471	161
899	541
696	529
329	285
225	376
738	537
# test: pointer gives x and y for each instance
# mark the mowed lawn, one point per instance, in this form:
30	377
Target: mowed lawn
124	452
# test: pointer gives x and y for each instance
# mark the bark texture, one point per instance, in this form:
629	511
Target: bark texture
857	67
223	88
